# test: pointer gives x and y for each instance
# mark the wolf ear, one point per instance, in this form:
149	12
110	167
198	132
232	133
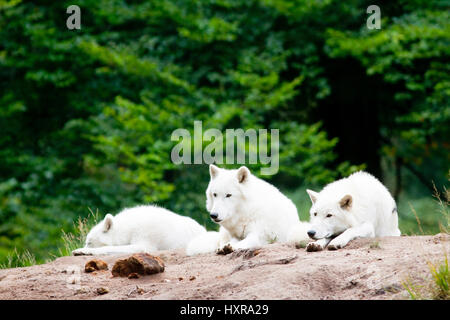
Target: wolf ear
242	174
213	171
312	195
346	202
107	223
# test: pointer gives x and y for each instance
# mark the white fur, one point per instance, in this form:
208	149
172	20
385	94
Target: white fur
204	243
371	212
253	214
140	229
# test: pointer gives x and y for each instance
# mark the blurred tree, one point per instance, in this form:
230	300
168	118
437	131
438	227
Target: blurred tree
408	95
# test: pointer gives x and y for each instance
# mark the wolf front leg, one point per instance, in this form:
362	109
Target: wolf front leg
225	237
251	241
106	250
364	230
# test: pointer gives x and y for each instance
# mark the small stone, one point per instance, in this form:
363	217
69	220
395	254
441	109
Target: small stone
102	290
94	265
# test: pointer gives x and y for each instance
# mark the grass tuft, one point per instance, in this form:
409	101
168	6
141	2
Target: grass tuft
75	240
375	245
443	207
436	288
18	259
441	278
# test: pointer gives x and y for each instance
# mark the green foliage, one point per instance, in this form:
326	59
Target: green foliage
86	115
411	54
436	287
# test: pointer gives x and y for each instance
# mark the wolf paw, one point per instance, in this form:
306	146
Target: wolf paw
337	244
81	252
313	246
225	250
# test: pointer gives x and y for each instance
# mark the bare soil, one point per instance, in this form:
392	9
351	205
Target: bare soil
365	269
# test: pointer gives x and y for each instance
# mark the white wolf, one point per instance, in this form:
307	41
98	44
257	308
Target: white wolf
349	208
250	212
140	229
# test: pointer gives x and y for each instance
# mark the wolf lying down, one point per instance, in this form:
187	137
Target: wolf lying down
251	213
359	206
140	229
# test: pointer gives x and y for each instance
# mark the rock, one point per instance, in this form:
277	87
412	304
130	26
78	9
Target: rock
94	265
102	290
140	263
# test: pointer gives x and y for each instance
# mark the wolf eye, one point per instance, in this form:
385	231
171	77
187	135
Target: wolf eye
215	194
329	215
228	195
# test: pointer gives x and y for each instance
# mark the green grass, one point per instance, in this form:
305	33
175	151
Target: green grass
441	279
419	216
375	245
75	240
69	242
436	287
443	209
17	259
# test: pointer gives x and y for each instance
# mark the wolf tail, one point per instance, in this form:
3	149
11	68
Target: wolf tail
298	232
204	243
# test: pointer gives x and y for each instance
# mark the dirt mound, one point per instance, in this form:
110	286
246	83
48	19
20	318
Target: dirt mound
137	264
365	269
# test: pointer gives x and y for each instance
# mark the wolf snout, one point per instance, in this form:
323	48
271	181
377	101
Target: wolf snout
215	216
311	234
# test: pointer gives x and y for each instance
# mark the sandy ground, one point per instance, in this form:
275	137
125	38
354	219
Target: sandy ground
365	269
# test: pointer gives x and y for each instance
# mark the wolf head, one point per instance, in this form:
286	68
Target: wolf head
101	234
225	194
329	216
